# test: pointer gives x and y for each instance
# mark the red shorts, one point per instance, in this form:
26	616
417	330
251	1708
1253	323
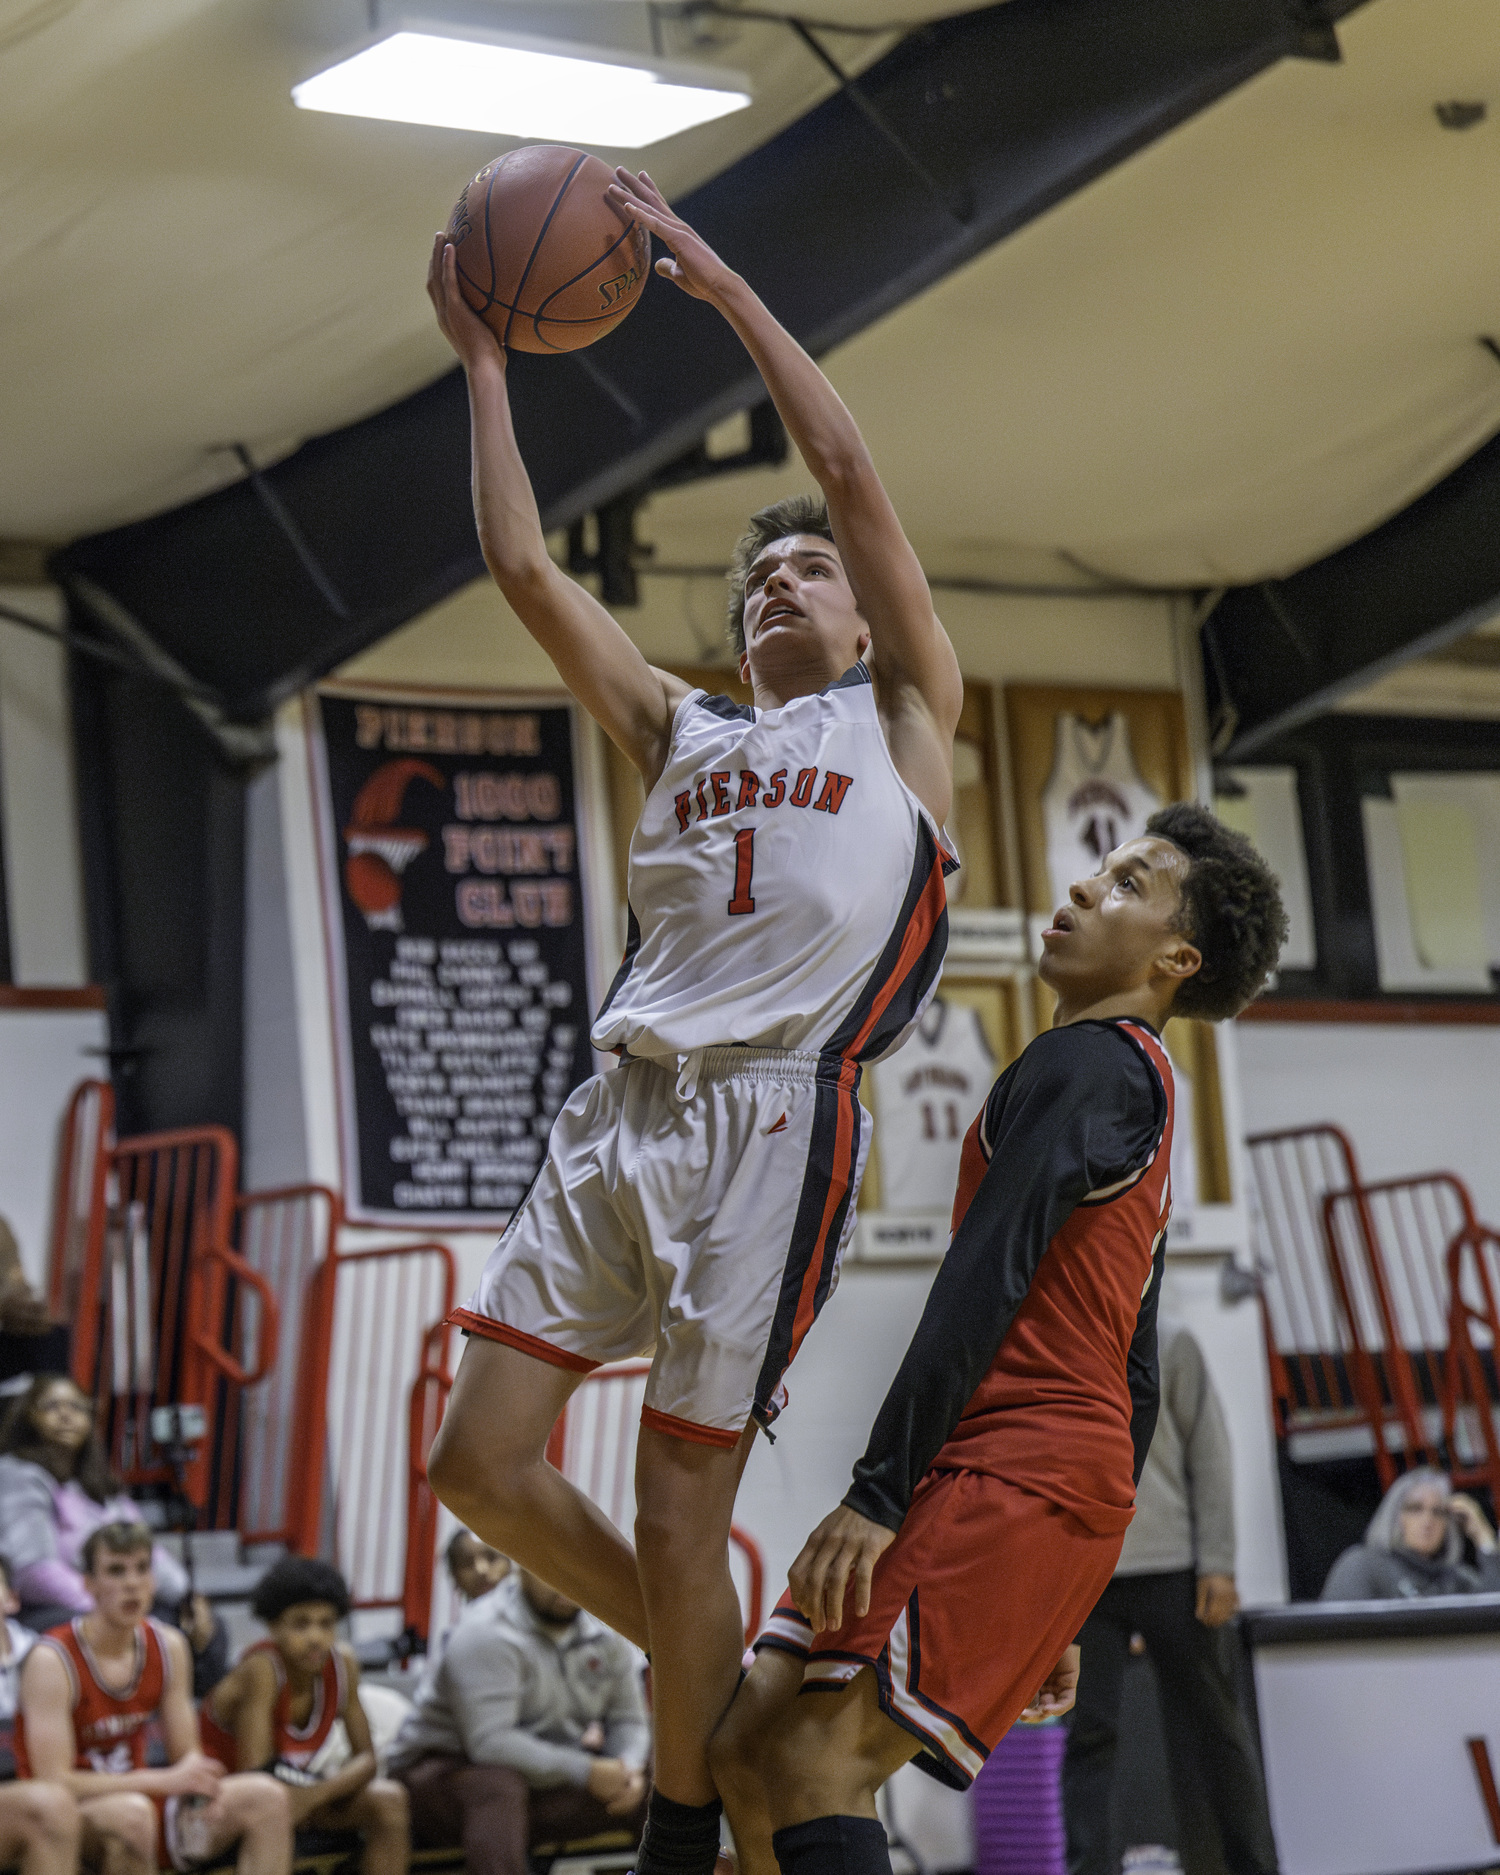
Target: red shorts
971	1608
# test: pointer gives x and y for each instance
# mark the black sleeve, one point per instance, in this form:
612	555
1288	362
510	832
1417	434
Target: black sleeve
1142	1367
1079	1111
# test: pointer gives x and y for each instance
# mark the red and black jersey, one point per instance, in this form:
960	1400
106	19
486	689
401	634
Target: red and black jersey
1035	1358
109	1726
294	1744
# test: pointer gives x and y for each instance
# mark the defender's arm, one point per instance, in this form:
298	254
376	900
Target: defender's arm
633	703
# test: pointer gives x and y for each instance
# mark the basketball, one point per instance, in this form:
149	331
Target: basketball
542	257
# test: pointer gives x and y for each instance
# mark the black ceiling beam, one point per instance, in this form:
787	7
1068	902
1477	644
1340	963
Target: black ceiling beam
836	221
1282	652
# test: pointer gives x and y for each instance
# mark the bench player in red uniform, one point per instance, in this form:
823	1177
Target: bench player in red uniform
941	1599
274	1713
90	1689
787	925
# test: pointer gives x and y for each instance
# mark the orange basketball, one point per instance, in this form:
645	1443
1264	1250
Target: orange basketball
542	257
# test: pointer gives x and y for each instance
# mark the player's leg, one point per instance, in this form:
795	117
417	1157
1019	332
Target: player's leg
253	1811
825	1759
39	1828
684	1505
381	1813
1093	1733
119	1834
736	1754
489	1466
1217	1789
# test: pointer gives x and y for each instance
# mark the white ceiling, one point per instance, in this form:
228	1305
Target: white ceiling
1249	344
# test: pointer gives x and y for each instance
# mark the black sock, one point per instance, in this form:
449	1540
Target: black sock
833	1845
680	1838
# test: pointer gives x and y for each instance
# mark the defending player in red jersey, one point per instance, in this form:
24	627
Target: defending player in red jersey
90	1689
940	1601
787	921
274	1713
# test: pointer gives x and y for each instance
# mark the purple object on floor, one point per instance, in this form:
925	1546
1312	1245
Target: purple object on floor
1017	1803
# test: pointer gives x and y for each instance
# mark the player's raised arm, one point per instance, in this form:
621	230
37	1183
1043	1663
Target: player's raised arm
908	645
632	702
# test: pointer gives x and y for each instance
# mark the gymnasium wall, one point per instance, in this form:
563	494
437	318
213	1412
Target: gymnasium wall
44	1050
1413	1097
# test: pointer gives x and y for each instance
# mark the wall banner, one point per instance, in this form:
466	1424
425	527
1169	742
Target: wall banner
449	838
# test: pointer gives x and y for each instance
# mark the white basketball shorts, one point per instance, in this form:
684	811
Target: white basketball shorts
698	1217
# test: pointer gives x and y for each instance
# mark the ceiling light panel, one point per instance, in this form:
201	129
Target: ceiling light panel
461	79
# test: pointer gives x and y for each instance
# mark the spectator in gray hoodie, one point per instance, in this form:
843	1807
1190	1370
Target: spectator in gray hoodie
1175	1587
530	1729
1415	1546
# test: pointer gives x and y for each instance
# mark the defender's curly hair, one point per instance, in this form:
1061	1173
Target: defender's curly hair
297	1579
798	514
1231	909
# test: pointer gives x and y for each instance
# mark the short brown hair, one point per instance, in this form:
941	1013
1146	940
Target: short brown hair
120	1538
798	514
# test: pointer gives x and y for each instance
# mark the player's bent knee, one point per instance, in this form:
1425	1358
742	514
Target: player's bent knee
388	1803
131	1818
46	1809
254	1799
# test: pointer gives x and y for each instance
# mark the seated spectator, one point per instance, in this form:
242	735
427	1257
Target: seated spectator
89	1691
16	1642
275	1710
1415	1546
56	1488
531	1729
474	1566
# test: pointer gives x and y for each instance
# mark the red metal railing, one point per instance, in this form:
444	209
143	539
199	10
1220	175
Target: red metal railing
86	1136
272	1438
390	1374
593	1445
1473	1391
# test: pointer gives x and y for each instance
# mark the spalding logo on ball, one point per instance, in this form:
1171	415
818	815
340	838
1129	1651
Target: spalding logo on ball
543	258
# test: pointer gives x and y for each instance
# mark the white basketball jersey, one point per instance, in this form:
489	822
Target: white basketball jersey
924	1104
1094	799
786	886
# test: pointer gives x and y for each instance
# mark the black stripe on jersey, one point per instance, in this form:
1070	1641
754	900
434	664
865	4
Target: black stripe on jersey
632	945
857	673
726	707
822	1170
901	1011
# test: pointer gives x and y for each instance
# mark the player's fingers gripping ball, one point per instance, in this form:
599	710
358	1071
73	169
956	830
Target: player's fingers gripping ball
545	259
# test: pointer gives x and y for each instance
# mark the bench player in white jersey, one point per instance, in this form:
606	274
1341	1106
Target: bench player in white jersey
787	922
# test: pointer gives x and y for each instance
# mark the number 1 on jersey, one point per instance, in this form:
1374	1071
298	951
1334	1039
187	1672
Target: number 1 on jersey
744	868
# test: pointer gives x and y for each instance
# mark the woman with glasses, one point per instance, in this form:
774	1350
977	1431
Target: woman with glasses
1415	1546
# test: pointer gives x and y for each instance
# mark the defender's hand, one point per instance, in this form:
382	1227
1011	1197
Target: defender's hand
1218	1600
461	326
1058	1690
692	265
842	1542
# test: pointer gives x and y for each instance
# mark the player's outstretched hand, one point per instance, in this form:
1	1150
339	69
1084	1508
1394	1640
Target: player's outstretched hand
461	326
692	264
844	1543
1058	1690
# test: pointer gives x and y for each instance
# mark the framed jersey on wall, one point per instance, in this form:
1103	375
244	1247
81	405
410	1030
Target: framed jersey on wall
1090	765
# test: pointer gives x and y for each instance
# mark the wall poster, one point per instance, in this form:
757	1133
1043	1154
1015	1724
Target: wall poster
450	832
1091	765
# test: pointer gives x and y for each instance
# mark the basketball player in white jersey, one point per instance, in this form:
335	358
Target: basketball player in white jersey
787	922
